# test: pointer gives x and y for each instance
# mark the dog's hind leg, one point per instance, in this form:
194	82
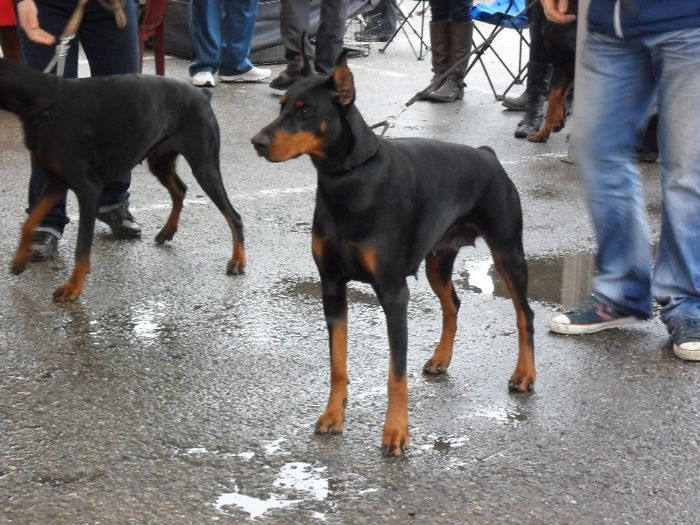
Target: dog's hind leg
209	178
556	107
438	268
50	195
510	262
88	196
162	165
394	301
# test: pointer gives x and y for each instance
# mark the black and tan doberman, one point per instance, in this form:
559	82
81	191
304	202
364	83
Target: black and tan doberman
383	207
86	132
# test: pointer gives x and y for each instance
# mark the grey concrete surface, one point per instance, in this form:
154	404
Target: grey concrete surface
172	393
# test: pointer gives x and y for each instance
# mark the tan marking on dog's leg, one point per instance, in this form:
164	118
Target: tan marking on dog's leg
523	378
331	421
442	356
395	437
71	290
21	257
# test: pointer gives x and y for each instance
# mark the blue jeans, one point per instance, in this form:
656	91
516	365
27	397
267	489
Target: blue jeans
620	81
222	35
109	50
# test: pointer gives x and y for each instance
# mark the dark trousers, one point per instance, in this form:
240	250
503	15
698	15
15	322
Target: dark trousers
109	50
294	20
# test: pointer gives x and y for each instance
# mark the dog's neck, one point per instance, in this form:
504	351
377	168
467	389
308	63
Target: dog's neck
24	91
356	145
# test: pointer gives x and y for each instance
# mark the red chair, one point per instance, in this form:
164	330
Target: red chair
153	26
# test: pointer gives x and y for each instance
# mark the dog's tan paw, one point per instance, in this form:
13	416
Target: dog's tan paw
330	422
395	440
67	293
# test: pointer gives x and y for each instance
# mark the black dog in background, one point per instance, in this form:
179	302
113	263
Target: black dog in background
87	131
560	44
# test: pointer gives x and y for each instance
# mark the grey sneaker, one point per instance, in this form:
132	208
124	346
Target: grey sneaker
593	315
686	339
121	222
44	246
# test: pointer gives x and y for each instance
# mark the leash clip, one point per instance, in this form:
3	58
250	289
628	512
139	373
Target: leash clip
59	58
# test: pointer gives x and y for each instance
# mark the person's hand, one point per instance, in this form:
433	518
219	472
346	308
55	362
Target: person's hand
27	16
555	11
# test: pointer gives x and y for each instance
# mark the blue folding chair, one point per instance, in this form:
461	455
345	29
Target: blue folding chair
509	14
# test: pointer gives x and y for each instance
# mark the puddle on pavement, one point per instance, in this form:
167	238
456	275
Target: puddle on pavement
295	483
564	280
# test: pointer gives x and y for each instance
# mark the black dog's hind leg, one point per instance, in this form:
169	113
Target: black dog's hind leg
562	80
88	196
438	268
394	301
335	309
509	260
162	165
50	195
209	178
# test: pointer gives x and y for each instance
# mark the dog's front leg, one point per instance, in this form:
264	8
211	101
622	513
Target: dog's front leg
87	202
335	308
394	301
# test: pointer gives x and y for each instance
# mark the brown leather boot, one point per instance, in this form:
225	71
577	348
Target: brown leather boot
460	46
439	49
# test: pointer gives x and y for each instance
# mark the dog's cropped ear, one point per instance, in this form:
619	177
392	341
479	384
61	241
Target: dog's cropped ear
305	65
343	80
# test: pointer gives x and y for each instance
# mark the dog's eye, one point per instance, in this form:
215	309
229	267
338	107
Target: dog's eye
305	111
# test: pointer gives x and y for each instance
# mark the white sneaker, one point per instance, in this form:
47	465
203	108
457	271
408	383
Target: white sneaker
255	74
203	79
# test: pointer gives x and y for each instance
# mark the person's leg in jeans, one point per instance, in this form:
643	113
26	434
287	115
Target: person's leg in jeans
112	51
676	280
617	93
329	37
237	28
205	26
52	18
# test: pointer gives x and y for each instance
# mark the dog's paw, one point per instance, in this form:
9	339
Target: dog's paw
235	267
18	266
395	440
539	136
165	235
330	423
522	382
435	367
67	293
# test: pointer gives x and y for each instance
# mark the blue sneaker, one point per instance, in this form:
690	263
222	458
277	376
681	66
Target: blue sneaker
686	339
593	315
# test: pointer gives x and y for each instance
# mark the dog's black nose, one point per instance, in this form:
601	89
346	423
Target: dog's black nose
261	142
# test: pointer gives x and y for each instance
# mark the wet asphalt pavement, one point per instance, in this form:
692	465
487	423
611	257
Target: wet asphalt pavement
173	393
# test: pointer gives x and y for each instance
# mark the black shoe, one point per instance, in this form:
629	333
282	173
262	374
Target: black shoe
121	222
285	79
44	246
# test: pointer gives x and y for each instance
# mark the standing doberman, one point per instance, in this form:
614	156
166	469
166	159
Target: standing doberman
85	132
384	206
